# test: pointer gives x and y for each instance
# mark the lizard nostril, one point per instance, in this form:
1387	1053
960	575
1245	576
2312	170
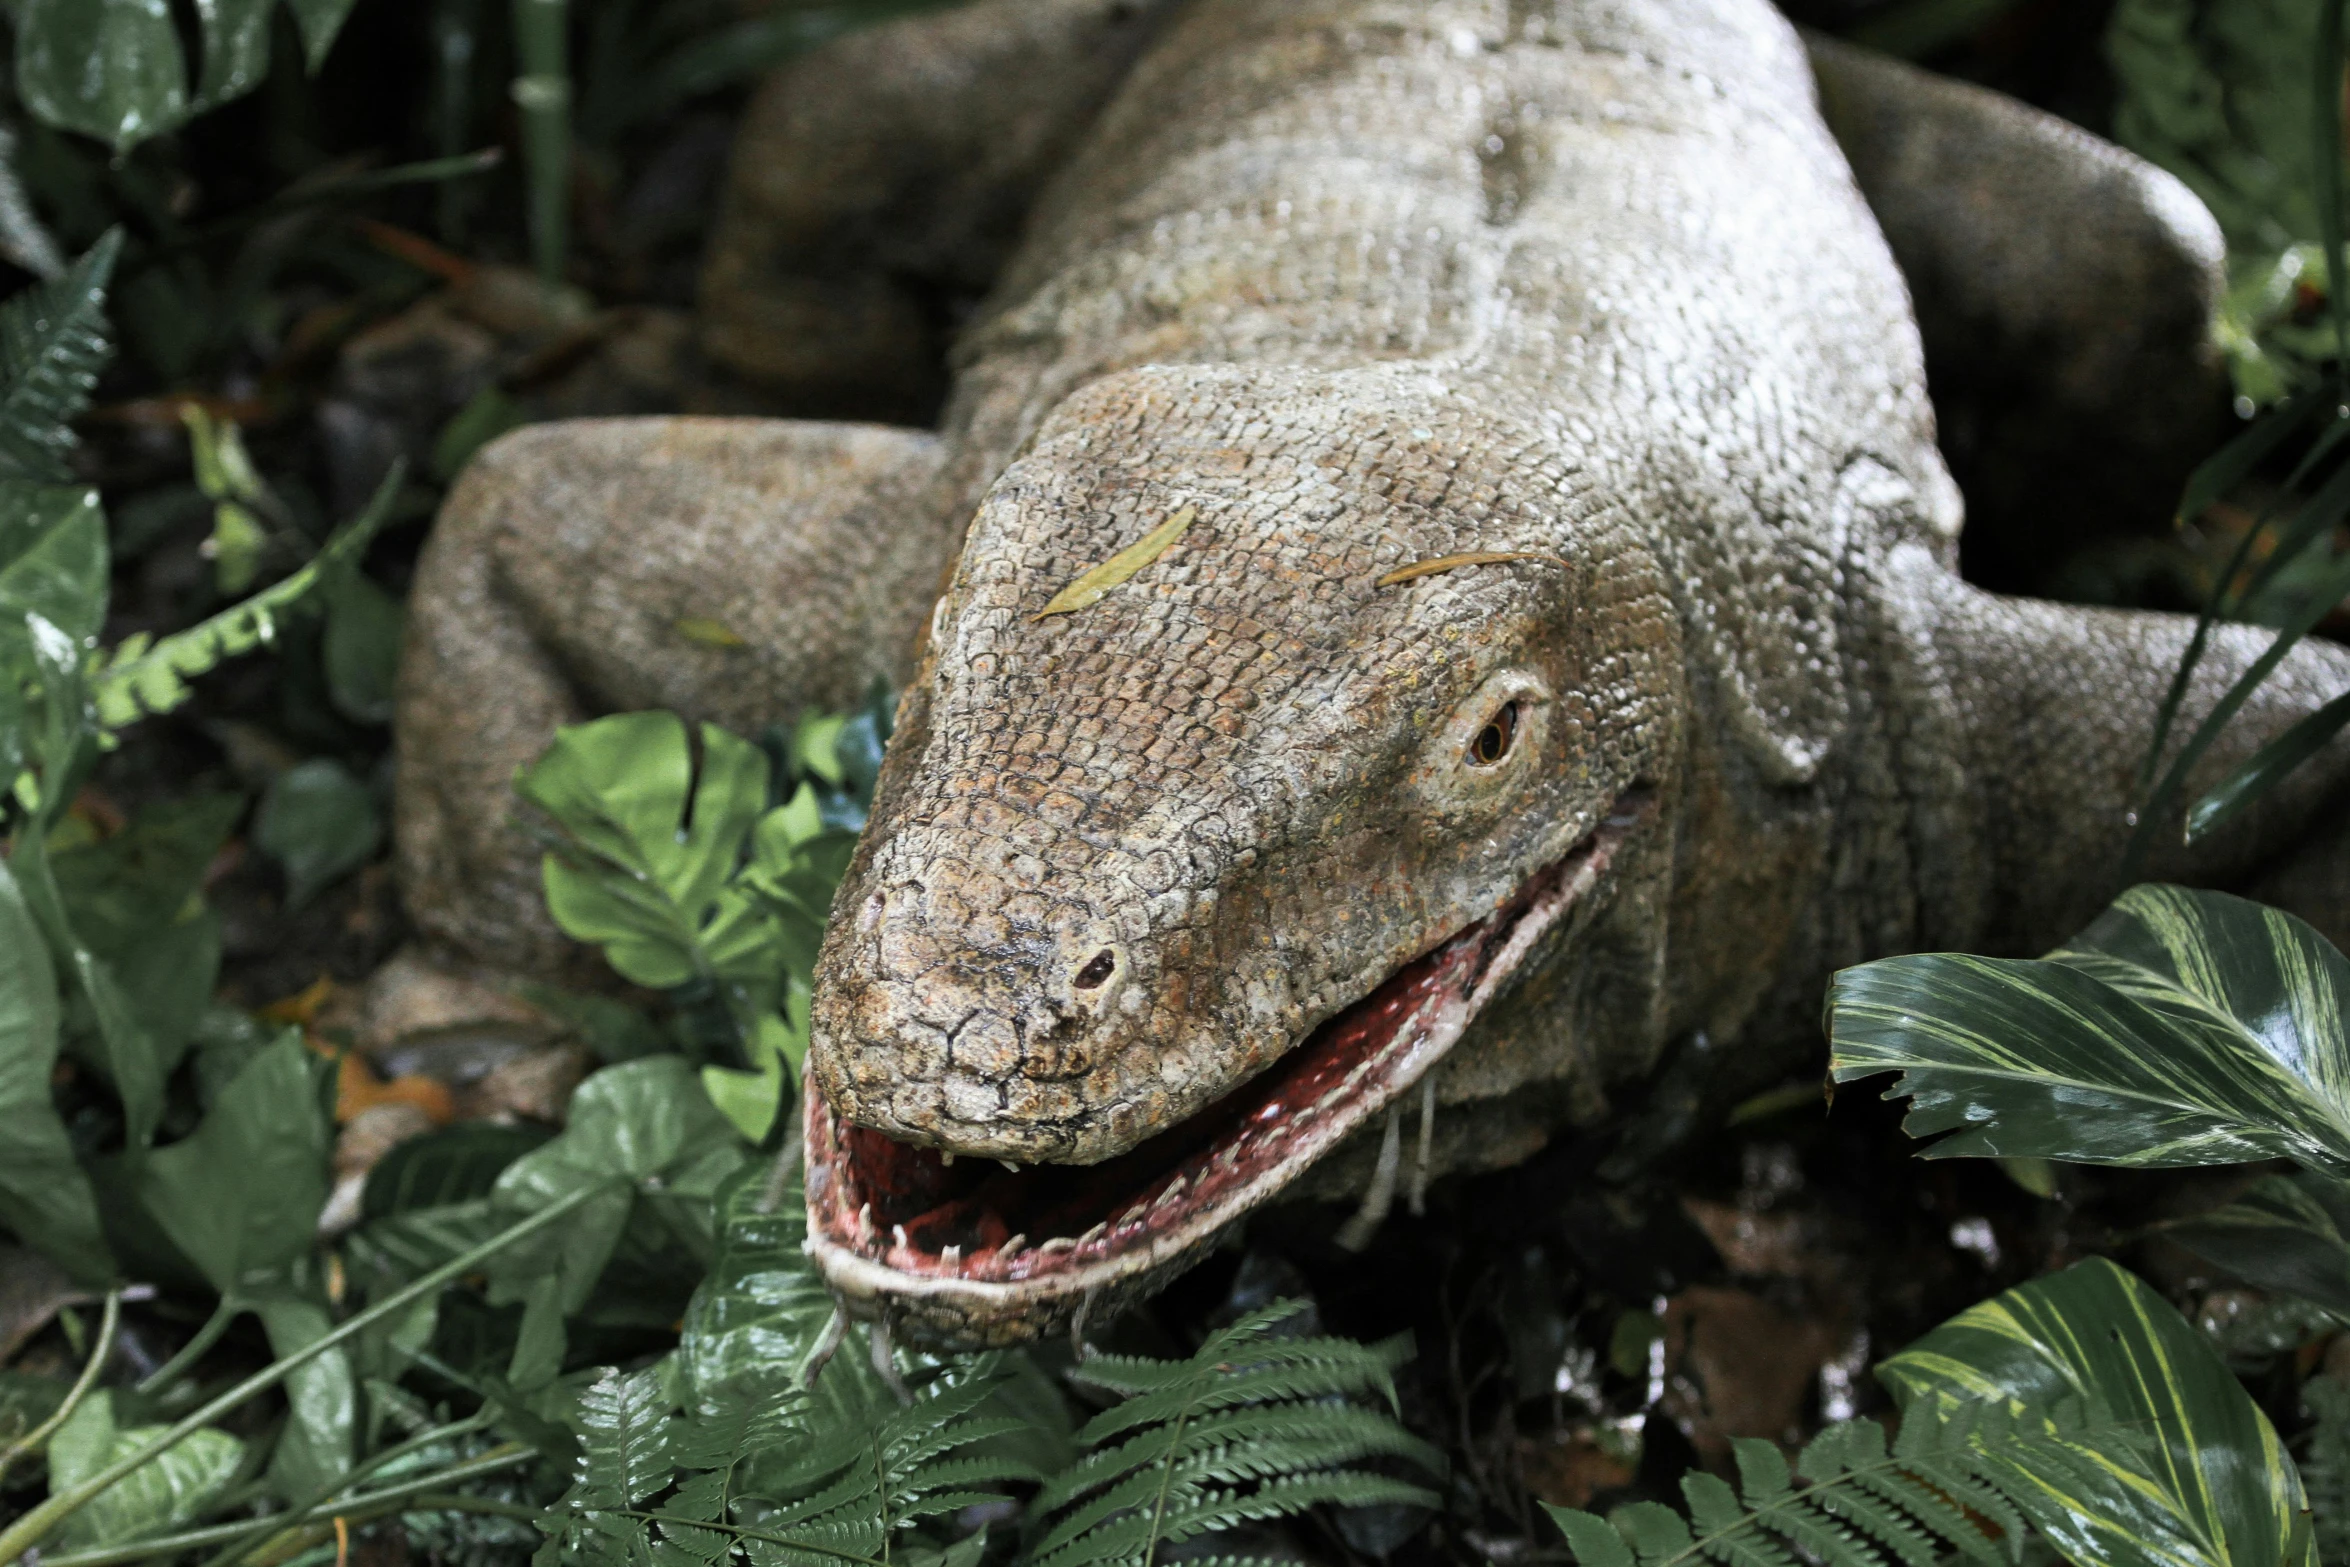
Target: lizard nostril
1097	968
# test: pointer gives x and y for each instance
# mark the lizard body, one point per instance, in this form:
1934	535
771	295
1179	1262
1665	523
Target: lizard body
1268	851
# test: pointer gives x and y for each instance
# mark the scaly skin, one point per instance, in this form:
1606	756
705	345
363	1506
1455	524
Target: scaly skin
1364	283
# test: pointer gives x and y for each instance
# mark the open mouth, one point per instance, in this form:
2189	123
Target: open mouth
891	1218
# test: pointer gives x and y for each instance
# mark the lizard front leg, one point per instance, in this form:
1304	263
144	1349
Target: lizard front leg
2050	708
734	570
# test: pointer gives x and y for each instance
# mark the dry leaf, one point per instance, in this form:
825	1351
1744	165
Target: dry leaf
1098	581
705	632
1429	568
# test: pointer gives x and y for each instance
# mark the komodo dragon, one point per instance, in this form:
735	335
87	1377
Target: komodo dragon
1277	847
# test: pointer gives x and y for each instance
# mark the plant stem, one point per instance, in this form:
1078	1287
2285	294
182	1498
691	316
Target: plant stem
263	1529
420	1495
543	92
195	1349
29	1530
31	1441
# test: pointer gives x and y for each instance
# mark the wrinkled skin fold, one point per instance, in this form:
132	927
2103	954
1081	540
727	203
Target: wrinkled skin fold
1270	872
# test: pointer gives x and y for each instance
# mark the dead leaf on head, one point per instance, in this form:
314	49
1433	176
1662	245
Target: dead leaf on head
1100	579
1429	568
703	631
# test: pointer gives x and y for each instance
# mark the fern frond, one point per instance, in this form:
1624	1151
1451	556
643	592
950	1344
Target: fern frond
143	677
1252	1427
1953	1482
52	345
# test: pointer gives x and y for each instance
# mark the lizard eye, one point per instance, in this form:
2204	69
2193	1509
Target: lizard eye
1493	741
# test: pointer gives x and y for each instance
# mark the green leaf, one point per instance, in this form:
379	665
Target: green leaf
2283	1235
2181	1028
2221	1488
646	1133
322	1398
121	890
452	1165
241	1195
52	560
119	1046
142	677
52	346
751	1099
44	1196
320	823
763	1305
172	1489
319	22
111	69
653	847
2265	768
361	648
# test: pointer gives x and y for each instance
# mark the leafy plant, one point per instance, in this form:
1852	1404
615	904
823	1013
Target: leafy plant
694	880
2081	1404
1253	1426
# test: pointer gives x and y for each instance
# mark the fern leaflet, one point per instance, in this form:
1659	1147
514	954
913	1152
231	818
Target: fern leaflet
1251	1427
1965	1478
52	345
143	676
775	1479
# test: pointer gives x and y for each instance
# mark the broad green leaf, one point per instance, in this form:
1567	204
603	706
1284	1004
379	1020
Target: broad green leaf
111	69
361	648
319	22
2284	1235
121	889
44	1196
52	560
2220	1489
646	1133
763	1305
320	823
750	1100
314	1451
171	1490
241	1194
117	1043
52	346
653	846
1095	581
236	49
455	1164
2180	1028
2265	768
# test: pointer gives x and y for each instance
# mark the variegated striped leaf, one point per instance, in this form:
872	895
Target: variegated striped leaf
2284	1235
2181	1028
2216	1489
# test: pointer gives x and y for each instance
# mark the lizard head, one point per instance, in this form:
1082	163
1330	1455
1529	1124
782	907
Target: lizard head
1164	897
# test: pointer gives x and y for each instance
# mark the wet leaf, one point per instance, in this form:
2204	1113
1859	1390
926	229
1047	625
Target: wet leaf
2181	1028
162	1494
322	1398
453	1165
1092	584
2220	1489
361	646
52	346
320	823
1429	568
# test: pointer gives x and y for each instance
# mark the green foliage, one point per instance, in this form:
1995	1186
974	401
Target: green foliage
690	879
1253	1426
2286	1234
114	69
2221	95
2216	1486
175	1487
2081	1404
52	346
2180	1028
320	823
2325	1464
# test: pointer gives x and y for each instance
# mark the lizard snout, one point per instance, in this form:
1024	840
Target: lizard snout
981	1018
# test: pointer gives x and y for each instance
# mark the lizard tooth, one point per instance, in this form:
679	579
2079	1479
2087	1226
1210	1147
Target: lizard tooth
865	1223
1094	1234
897	1232
1057	1243
952	1256
1012	1165
1174	1191
1011	1248
946	1156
